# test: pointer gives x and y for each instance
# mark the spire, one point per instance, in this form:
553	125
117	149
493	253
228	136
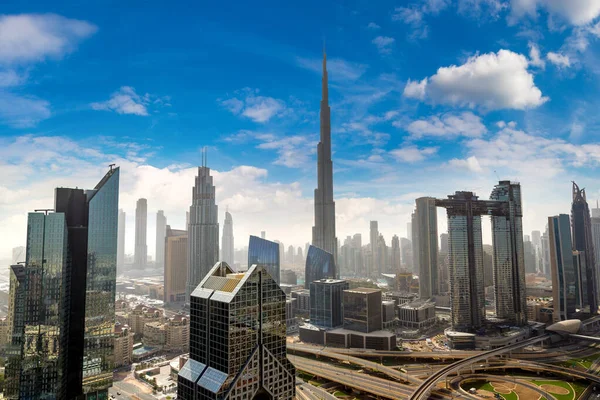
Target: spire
325	90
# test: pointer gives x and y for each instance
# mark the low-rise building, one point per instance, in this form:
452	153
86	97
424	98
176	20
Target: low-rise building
123	345
178	333
302	297
141	315
155	334
362	310
388	312
418	314
290	316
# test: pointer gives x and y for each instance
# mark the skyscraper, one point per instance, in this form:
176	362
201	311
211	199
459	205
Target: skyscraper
161	231
326	302
374	243
176	265
595	220
536	239
427	247
565	291
203	230
509	257
266	254
546	253
140	256
227	248
319	265
396	261
121	241
414	234
323	233
583	241
238	349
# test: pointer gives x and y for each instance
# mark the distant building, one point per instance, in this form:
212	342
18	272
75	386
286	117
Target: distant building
121	241
227	252
238	350
302	298
123	343
362	310
289	277
319	265
177	331
176	265
265	253
161	231
290	316
141	315
374	244
388	313
427	247
140	257
565	290
155	334
326	297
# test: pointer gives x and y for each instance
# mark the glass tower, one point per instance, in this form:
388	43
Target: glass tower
565	291
319	265
265	253
427	247
326	302
237	338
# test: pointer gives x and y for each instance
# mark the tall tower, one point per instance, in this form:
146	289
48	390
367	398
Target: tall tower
583	242
373	242
140	257
121	242
203	231
227	249
565	285
161	231
323	233
427	247
396	260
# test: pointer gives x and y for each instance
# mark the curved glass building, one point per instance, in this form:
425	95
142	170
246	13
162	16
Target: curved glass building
265	253
319	265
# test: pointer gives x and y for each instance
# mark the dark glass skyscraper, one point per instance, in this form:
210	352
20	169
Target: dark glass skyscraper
265	253
583	241
326	302
237	339
565	290
319	265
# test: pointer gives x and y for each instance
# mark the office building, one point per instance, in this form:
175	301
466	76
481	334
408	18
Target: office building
529	256
161	232
323	232
417	315
545	256
595	221
176	265
326	302
121	241
509	255
123	344
203	229
319	265
583	241
265	253
414	234
227	240
396	260
427	247
362	310
373	243
238	349
288	277
302	297
140	256
565	290
536	239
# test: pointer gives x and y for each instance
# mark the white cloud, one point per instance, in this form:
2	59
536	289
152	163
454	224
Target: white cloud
471	164
415	89
576	12
383	44
448	125
535	57
414	16
257	108
22	111
124	101
33	37
412	154
481	8
490	81
560	60
339	70
10	78
373	26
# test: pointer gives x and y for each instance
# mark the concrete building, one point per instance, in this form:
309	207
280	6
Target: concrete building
161	232
417	315
427	247
326	307
227	252
140	255
362	310
155	334
123	343
344	338
388	313
177	331
141	315
238	350
176	265
302	298
323	232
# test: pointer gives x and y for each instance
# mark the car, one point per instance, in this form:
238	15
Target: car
118	393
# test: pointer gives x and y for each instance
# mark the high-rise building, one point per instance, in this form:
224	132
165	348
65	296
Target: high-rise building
409	230
266	254
323	233
546	252
238	349
583	241
362	310
414	234
121	241
319	265
203	230
565	291
176	265
509	257
300	255
407	256
161	232
290	255
140	256
444	243
467	295
536	240
529	256
595	220
326	302
227	240
374	243
427	247
383	256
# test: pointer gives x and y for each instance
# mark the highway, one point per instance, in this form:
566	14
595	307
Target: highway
530	386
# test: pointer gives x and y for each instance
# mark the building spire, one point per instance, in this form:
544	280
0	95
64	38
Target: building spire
325	90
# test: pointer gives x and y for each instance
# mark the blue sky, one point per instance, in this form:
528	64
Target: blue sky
427	97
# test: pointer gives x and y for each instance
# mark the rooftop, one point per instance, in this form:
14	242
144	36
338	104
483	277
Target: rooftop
363	290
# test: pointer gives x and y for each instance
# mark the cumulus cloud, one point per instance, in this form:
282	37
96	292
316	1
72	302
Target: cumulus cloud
489	81
33	37
412	154
470	163
560	60
383	44
575	12
448	126
124	101
253	106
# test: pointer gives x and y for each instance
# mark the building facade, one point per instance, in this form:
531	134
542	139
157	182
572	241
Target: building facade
265	253
161	232
362	310
565	290
227	240
176	265
396	262
326	302
121	241
238	349
123	344
140	255
427	247
319	265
